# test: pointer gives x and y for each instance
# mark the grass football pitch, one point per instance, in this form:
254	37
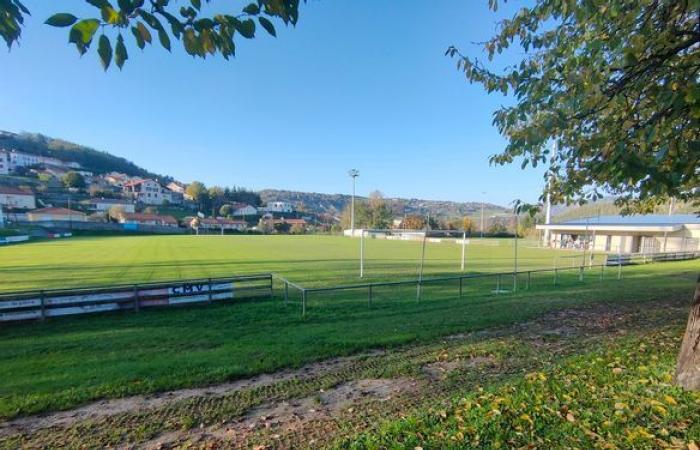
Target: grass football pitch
309	260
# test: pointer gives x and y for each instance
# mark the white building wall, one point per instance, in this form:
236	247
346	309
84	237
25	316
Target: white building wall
17	201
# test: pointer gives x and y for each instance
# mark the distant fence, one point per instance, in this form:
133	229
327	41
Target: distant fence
12	239
464	285
28	305
103	226
644	258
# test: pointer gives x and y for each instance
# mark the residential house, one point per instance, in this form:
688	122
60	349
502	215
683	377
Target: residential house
148	219
627	234
56	215
217	224
105	204
4	162
14	198
279	207
243	210
147	191
117	179
175	198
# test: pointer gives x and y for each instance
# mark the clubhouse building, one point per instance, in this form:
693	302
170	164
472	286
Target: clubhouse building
652	233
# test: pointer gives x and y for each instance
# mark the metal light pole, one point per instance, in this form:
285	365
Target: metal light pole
464	244
354	173
482	215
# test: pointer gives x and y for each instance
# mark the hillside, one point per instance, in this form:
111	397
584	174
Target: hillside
313	202
96	161
607	207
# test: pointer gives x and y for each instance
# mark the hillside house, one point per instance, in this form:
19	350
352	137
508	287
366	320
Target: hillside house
13	198
147	192
279	207
148	219
217	224
4	162
105	204
243	210
627	234
56	215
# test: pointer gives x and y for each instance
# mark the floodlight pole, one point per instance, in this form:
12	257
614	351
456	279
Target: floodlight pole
354	173
362	253
464	244
422	260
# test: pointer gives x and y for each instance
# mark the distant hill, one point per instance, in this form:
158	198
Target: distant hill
607	207
96	161
334	204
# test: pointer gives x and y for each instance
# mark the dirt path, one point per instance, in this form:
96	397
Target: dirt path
318	403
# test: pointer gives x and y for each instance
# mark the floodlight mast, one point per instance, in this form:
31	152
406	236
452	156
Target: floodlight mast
354	173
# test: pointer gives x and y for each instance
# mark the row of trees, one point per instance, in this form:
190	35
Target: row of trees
215	197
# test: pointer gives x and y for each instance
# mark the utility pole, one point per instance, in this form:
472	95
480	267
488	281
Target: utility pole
482	215
354	173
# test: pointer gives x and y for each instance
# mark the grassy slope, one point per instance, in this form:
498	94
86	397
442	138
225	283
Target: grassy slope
69	361
311	260
618	395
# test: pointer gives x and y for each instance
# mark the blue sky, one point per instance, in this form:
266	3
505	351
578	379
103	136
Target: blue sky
358	83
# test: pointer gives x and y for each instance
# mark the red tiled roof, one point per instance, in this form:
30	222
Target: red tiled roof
57	211
13	191
142	217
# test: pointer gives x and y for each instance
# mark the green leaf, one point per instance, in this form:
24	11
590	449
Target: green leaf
267	25
175	24
126	5
104	49
189	39
246	28
120	54
197	4
101	4
82	32
61	20
252	9
139	39
143	31
164	39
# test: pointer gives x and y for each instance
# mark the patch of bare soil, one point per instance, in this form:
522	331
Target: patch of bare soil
440	370
291	416
145	402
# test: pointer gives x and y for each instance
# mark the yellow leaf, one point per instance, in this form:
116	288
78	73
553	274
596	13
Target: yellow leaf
670	400
692	446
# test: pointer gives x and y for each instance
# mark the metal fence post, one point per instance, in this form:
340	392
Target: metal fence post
460	286
619	268
303	302
555	276
515	282
418	286
369	297
602	271
529	276
272	288
137	307
286	293
209	284
498	284
43	305
580	274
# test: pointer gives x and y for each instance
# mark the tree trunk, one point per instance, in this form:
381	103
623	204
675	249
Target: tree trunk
688	370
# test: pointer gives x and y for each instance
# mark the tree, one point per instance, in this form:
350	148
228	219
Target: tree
199	34
197	191
615	84
468	225
225	210
115	212
73	180
380	215
413	223
298	229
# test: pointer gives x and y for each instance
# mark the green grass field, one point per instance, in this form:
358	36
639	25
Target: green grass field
309	260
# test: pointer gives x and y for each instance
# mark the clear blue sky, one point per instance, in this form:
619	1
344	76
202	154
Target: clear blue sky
358	83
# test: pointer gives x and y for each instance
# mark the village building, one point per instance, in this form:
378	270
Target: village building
243	210
105	204
652	233
14	198
148	219
147	191
56	215
216	224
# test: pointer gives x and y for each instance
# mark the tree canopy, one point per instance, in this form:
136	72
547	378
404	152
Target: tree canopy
614	82
201	34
